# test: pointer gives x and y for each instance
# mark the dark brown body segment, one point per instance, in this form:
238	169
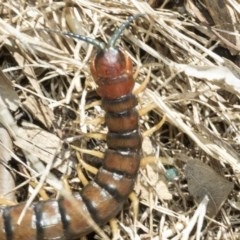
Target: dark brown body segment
102	198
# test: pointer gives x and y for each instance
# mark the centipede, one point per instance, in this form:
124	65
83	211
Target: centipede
103	197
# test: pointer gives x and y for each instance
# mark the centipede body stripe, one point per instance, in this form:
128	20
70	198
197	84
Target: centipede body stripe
103	197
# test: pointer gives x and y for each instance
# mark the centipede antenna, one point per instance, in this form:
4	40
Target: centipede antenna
95	42
119	31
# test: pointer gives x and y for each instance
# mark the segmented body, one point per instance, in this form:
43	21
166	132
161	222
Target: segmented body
103	197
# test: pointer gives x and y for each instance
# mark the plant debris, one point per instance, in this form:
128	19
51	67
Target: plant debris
53	115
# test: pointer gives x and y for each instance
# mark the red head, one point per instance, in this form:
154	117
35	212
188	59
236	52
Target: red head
111	67
112	71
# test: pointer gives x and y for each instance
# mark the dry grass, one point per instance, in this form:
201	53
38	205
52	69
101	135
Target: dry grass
191	85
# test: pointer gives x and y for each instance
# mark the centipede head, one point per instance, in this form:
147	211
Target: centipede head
111	67
112	71
110	63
